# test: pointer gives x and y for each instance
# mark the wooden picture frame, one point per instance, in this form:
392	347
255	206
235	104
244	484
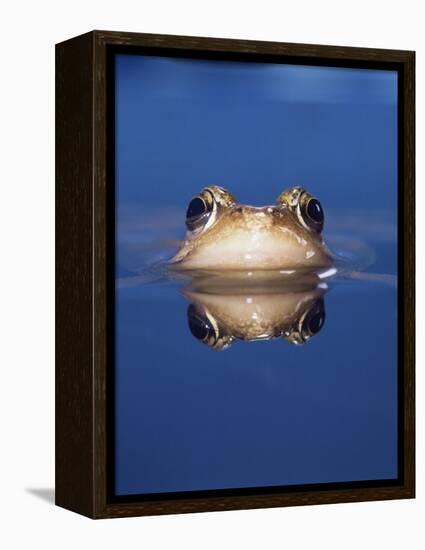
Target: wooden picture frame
85	248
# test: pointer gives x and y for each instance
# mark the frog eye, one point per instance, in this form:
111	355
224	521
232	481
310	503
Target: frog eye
314	320
200	326
312	212
203	209
198	213
204	329
307	208
308	325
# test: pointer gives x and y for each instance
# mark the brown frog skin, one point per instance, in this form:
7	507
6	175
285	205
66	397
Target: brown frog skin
225	235
219	317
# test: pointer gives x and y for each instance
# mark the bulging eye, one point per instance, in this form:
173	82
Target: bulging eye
206	206
314	320
200	326
307	208
312	212
205	328
198	213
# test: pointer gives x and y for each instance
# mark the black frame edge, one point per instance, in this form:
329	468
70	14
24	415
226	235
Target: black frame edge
74	381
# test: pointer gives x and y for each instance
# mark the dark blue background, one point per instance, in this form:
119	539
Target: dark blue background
263	413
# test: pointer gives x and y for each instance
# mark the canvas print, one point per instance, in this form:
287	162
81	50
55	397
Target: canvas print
255	273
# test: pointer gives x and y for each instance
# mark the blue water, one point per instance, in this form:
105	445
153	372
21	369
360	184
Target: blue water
258	413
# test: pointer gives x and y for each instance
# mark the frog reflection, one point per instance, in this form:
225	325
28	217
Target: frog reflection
217	320
225	235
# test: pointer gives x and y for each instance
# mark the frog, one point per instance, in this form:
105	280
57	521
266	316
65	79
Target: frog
218	316
224	235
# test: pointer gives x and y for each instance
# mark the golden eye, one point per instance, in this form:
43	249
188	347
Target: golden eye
206	330
198	213
314	320
200	326
306	207
308	325
311	212
204	209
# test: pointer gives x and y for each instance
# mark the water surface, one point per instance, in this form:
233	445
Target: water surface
258	413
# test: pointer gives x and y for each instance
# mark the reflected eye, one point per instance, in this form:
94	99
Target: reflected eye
314	320
308	325
206	330
197	213
312	212
315	323
200	326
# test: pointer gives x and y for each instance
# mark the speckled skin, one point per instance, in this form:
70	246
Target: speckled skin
250	238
